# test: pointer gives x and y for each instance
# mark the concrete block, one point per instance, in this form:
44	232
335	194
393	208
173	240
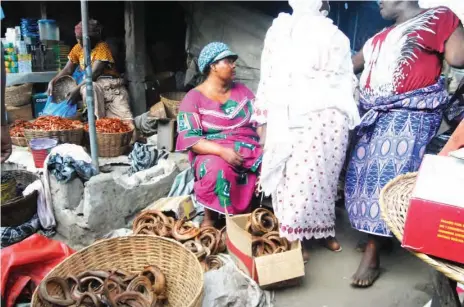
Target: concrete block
109	199
66	195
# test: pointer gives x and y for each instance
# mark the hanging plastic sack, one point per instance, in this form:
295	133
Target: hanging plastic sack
62	109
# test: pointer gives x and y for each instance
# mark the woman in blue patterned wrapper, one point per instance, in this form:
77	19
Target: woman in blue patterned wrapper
402	100
214	125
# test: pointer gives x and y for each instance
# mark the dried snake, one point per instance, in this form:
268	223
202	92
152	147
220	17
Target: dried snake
102	288
184	231
212	263
263	221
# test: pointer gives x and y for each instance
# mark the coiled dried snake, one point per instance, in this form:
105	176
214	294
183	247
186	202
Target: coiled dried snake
113	288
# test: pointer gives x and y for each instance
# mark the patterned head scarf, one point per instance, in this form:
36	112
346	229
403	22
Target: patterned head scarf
94	29
214	52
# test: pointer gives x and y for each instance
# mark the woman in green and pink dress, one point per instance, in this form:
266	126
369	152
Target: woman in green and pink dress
214	126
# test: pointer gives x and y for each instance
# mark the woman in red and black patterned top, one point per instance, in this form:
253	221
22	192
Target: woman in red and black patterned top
402	101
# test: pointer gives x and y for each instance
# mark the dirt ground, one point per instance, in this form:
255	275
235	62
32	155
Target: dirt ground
404	281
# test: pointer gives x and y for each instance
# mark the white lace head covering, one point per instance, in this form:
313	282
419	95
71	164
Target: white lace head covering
307	7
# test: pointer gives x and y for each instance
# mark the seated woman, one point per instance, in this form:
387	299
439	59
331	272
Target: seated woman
214	125
111	99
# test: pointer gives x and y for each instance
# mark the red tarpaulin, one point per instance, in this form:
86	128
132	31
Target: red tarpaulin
29	260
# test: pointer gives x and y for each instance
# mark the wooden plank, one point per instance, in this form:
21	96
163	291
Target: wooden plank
445	291
43	10
134	22
31	77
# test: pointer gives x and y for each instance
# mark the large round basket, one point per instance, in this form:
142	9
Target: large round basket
18	95
112	144
171	101
183	272
72	136
394	204
21	209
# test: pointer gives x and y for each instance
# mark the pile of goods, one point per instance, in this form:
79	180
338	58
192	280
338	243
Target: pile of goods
108	288
110	125
204	242
54	123
17	128
264	227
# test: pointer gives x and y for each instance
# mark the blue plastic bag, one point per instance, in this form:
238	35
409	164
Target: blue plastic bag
62	109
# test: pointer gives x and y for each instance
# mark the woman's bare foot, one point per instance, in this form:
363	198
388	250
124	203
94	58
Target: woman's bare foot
386	245
332	244
305	255
368	270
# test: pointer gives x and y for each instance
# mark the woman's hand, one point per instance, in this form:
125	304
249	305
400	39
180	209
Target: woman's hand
231	156
262	134
73	96
50	87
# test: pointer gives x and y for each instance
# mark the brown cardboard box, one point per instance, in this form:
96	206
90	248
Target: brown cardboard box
182	206
268	271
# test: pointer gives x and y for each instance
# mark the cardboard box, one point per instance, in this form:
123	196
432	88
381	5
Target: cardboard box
435	219
39	101
268	271
182	206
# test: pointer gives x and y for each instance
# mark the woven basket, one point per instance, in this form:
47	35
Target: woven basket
19	141
73	136
171	101
112	144
394	204
62	87
19	210
8	189
18	95
184	275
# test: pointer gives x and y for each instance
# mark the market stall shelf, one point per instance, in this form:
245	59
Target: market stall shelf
32	77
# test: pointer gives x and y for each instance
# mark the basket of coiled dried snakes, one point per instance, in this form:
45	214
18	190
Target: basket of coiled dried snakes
264	228
134	271
204	242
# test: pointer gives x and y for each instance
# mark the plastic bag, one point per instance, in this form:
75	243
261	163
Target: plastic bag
29	261
62	109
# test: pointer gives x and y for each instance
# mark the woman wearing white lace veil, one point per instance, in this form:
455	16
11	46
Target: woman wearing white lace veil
305	108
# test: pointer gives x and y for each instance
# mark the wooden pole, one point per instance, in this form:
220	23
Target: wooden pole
134	23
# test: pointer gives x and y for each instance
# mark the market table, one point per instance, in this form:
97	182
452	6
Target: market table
394	204
32	77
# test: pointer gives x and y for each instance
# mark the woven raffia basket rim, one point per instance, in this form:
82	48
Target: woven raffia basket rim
450	269
165	96
53	131
197	298
63	86
20	141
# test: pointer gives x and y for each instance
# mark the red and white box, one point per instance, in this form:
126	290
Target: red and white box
435	219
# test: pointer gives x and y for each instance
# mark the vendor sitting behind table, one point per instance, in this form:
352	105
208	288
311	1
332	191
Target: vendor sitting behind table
111	98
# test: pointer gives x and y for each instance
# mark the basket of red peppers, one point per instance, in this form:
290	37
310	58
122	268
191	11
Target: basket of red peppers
113	136
17	132
54	127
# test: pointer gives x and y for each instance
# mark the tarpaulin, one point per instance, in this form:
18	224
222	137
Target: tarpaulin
29	261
